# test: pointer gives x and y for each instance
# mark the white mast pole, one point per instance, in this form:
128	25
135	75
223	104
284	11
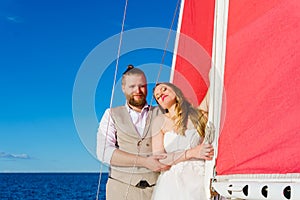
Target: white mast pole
177	41
216	82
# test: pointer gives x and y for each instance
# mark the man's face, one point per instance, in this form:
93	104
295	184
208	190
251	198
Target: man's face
135	89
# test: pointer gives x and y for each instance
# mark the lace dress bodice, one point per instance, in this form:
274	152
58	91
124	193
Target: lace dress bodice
185	179
174	142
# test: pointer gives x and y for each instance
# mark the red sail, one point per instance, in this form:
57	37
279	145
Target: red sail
194	50
260	131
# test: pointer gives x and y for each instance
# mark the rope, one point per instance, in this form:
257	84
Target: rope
112	94
167	42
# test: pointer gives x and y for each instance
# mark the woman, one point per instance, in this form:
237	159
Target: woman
179	135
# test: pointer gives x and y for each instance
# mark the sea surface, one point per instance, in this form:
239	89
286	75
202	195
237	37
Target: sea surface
31	186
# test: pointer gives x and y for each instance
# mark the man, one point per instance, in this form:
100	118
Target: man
124	142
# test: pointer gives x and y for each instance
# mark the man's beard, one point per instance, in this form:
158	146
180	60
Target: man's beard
138	103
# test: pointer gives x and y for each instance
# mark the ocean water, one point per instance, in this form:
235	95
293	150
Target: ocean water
66	186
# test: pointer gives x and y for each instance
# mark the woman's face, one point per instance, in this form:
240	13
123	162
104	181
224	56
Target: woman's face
165	96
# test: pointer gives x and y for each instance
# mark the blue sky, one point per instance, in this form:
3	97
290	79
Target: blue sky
44	45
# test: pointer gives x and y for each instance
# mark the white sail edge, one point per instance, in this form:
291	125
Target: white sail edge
216	83
177	41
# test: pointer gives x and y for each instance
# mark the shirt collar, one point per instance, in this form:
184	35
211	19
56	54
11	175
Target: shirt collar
145	108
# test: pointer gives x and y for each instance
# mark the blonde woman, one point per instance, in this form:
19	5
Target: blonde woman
178	134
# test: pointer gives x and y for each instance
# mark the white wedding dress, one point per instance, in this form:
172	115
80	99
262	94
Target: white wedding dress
185	180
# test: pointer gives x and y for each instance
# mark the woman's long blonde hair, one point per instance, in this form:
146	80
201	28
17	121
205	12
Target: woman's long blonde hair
185	110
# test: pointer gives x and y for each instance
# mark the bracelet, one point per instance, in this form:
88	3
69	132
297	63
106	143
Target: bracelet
185	155
173	155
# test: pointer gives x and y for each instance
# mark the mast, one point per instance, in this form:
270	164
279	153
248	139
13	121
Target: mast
216	93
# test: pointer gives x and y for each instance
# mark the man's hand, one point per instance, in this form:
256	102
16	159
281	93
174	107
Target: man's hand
152	163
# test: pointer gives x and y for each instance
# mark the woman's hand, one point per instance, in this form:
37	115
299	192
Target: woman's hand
201	151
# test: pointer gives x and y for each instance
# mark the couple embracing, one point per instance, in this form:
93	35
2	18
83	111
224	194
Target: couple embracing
153	152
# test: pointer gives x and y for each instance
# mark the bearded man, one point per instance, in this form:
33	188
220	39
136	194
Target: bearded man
124	142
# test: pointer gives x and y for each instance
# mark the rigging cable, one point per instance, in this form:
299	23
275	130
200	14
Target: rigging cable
158	75
167	42
112	94
114	83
